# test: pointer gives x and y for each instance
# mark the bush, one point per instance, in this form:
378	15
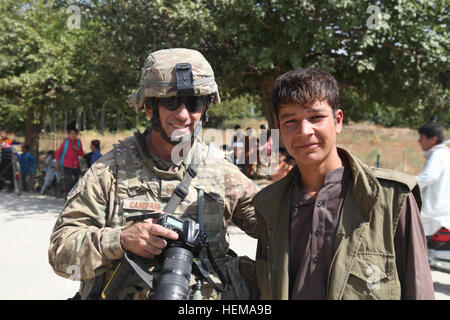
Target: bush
233	110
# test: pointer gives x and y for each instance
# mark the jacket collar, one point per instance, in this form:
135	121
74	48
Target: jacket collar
275	199
365	186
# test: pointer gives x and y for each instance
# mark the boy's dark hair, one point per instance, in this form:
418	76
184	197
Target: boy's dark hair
51	153
433	129
304	86
71	127
26	147
96	144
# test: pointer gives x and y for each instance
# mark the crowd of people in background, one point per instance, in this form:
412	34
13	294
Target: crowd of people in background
62	168
253	154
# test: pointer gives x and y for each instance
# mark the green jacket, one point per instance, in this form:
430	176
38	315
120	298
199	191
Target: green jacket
363	264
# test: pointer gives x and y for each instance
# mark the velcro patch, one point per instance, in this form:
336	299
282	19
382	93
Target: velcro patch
168	187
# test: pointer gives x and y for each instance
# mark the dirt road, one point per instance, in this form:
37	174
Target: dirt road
25	226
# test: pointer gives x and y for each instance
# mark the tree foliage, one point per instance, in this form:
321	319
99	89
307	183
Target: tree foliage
392	68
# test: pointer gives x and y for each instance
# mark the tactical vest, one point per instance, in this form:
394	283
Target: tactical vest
141	187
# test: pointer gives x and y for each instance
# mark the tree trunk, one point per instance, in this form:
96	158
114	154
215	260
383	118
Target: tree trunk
78	118
65	120
43	119
265	89
84	120
137	121
32	129
119	120
53	129
102	118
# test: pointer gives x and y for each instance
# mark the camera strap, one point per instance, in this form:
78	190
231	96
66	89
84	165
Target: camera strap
182	189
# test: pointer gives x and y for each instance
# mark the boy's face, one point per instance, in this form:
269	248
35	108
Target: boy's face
73	134
2	134
309	132
93	148
427	143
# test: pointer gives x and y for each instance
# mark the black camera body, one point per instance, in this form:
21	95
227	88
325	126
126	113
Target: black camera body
190	236
177	257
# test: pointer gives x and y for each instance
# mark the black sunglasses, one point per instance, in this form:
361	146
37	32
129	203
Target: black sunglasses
193	103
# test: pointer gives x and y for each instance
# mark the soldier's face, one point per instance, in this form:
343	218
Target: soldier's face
179	122
309	132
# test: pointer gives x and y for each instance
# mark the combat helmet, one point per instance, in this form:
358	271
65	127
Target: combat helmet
175	72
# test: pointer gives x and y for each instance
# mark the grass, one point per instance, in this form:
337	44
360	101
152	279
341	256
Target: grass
397	147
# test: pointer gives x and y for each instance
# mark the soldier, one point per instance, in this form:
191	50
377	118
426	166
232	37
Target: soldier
142	172
333	228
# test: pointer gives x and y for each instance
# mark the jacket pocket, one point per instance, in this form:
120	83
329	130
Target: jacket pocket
373	276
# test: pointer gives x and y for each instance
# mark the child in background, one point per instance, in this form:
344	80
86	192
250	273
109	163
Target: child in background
95	154
27	167
67	158
50	172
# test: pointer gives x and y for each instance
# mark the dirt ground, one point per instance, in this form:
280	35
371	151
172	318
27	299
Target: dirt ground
26	222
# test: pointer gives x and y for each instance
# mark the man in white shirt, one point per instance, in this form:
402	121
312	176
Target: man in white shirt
434	181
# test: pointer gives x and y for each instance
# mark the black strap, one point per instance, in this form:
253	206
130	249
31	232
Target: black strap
201	270
182	189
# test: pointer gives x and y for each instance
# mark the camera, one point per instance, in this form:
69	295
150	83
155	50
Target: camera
170	279
177	257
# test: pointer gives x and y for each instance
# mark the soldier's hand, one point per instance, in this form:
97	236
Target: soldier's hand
144	238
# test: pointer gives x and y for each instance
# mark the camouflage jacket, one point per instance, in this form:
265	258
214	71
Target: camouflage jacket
86	236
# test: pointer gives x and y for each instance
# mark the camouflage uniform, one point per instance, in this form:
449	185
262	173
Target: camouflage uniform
130	180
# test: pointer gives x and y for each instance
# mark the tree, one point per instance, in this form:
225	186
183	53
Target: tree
392	54
401	60
392	70
36	62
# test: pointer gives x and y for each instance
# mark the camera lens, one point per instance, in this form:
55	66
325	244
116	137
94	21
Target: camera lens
175	274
